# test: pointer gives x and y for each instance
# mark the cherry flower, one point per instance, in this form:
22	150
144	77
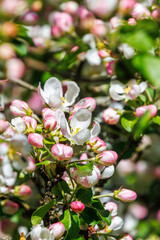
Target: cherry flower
52	94
131	90
79	132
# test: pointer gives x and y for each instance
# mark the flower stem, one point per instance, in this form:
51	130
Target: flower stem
149	96
105	195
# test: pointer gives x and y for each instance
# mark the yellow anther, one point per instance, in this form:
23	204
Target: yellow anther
75	130
127	88
63	100
11	153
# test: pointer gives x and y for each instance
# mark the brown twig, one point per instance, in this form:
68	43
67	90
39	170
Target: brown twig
23	84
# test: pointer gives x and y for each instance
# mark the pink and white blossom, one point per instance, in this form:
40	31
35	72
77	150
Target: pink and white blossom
86	179
36	140
141	110
107	158
52	94
62	152
57	230
131	90
112	208
97	145
111	116
20	108
125	195
77	206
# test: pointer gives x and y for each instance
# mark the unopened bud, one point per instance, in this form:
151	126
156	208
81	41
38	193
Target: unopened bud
30	123
23	191
36	140
50	123
9	207
126	237
20	108
141	110
77	206
3	125
110	68
125	195
97	145
31	165
111	116
47	112
62	152
9	30
57	229
107	158
112	208
15	68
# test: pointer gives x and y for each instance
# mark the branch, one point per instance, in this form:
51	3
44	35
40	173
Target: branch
23	84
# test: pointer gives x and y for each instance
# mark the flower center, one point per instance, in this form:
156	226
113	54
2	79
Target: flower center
75	130
127	89
63	100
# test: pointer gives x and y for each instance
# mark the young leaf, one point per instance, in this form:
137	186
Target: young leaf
85	168
75	227
128	125
39	214
66	219
84	195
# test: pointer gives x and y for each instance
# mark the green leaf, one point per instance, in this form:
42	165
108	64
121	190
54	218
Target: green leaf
47	162
128	125
103	214
21	49
90	214
156	120
65	186
66	219
142	125
149	66
84	195
143	98
75	227
85	168
139	40
39	214
56	191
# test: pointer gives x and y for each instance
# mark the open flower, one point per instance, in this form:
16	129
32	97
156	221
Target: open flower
131	90
79	132
52	94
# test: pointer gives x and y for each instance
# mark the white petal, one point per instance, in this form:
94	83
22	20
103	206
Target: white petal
62	122
95	130
45	234
81	119
20	144
107	172
53	85
71	93
81	137
143	86
19	124
6	167
11	180
43	95
93	58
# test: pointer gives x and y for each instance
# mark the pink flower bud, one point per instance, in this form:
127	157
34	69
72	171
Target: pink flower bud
70	7
156	14
9	207
112	208
77	206
110	68
30	123
31	165
138	211
62	152
139	11
90	103
103	53
83	156
36	140
126	237
23	191
157	172
56	32
141	110
125	195
15	68
47	112
97	145
20	108
132	21
99	28
126	6
6	51
62	20
86	179
30	17
107	158
115	22
111	116
50	123
3	125
57	229
74	49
